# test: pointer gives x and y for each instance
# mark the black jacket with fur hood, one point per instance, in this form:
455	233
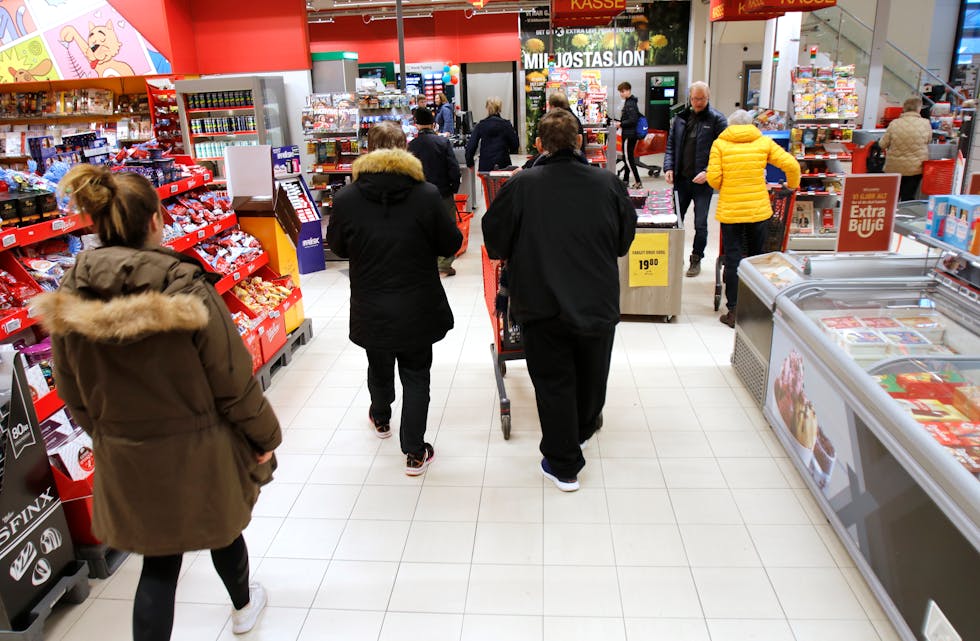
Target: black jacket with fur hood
149	363
393	227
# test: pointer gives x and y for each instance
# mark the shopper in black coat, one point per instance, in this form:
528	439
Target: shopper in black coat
628	121
561	226
686	163
441	169
496	138
392	225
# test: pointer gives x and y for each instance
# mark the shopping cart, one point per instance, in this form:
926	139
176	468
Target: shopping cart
783	201
506	344
655	142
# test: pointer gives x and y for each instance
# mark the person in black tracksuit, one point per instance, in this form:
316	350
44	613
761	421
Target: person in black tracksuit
686	163
628	120
561	226
392	226
441	169
496	138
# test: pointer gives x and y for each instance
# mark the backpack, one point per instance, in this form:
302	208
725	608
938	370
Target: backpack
875	164
642	127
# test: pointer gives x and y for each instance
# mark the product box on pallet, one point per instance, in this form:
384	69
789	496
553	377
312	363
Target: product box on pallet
962	217
247	323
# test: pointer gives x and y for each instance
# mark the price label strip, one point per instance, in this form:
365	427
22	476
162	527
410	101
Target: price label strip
649	260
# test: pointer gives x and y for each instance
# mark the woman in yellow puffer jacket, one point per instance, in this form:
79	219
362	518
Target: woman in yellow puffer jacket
737	169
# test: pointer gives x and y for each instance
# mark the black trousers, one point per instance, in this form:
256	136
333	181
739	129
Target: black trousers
629	157
569	372
908	188
153	609
688	191
740	240
413	370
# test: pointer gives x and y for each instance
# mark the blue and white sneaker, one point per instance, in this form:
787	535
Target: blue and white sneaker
565	485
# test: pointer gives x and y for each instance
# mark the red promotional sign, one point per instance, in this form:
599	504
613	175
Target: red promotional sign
769	6
867	213
974	184
733	10
584	13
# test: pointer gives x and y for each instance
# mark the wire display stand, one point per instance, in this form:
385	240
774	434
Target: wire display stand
783	201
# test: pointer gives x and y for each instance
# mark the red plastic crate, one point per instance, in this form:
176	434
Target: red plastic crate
76	499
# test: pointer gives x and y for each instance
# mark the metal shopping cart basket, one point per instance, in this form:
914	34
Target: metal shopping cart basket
507	345
491	185
783	201
655	142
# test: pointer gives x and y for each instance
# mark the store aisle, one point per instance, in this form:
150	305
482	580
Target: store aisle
691	525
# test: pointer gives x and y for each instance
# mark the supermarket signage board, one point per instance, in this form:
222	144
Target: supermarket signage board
764	6
736	10
867	213
648	260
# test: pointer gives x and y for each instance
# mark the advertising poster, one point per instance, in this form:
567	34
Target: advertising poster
71	39
867	213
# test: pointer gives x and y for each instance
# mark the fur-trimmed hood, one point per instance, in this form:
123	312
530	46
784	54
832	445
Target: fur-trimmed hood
387	176
121	319
118	295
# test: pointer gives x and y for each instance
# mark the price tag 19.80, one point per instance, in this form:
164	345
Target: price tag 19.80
649	260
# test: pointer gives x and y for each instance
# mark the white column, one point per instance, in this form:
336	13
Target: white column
878	41
782	35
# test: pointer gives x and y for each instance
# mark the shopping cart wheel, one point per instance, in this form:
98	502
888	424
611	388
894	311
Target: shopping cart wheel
717	299
653	172
505	425
503	368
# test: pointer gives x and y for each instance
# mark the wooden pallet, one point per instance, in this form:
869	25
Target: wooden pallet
297	338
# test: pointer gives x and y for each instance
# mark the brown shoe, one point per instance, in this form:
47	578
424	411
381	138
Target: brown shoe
728	318
695	267
449	271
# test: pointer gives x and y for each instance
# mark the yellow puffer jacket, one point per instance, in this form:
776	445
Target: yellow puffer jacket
737	169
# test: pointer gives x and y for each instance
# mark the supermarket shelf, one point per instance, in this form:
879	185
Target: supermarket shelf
187	241
184	184
804	192
332	171
813	242
809	119
226	133
347	134
13	323
72	118
229	281
915	229
833	125
210	109
213	159
824	175
824	157
47	405
19	237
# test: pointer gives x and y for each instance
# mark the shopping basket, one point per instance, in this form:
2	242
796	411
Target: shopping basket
777	236
463	220
491	185
506	344
937	176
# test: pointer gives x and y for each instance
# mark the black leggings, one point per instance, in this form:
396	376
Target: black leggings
153	610
629	157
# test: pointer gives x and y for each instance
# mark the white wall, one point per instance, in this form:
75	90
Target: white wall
782	35
726	74
942	41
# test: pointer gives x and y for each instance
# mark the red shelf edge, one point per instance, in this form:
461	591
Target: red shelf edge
185	242
184	185
225	284
210	109
226	133
13	323
23	236
47	405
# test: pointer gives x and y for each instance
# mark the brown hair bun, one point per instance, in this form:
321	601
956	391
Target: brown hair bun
121	205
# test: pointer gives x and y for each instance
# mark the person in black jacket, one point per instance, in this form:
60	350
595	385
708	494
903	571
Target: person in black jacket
561	226
496	138
392	225
686	163
441	169
628	120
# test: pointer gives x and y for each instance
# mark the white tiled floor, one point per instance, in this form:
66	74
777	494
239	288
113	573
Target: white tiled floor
690	525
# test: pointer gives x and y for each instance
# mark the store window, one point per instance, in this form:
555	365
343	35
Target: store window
968	41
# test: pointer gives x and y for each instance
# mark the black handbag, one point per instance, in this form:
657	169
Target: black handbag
876	159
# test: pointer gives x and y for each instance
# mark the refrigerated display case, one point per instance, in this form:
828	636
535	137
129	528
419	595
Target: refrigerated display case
762	278
862	379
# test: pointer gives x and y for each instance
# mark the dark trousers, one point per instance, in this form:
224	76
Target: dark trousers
908	188
569	373
629	157
740	240
413	370
687	191
153	609
449	204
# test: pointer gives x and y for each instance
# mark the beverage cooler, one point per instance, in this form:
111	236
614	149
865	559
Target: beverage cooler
873	388
763	278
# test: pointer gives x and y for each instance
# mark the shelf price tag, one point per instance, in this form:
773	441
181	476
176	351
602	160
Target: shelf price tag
9	240
649	260
237	276
11	326
174	188
201	233
57	225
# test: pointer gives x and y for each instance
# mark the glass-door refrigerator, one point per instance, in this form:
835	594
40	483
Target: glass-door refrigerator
873	389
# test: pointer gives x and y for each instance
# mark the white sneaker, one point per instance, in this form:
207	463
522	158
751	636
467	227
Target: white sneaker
244	620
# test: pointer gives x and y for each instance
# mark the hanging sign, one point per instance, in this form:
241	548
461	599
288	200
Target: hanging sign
769	6
648	258
867	213
585	13
735	10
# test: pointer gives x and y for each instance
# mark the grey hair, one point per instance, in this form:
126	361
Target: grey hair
740	117
913	103
703	86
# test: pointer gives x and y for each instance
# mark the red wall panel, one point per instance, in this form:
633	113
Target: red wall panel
448	35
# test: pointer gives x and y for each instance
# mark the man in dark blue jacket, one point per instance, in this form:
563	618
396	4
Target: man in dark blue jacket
686	163
561	226
441	169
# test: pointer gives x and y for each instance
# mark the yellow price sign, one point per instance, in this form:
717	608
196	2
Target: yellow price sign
648	258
